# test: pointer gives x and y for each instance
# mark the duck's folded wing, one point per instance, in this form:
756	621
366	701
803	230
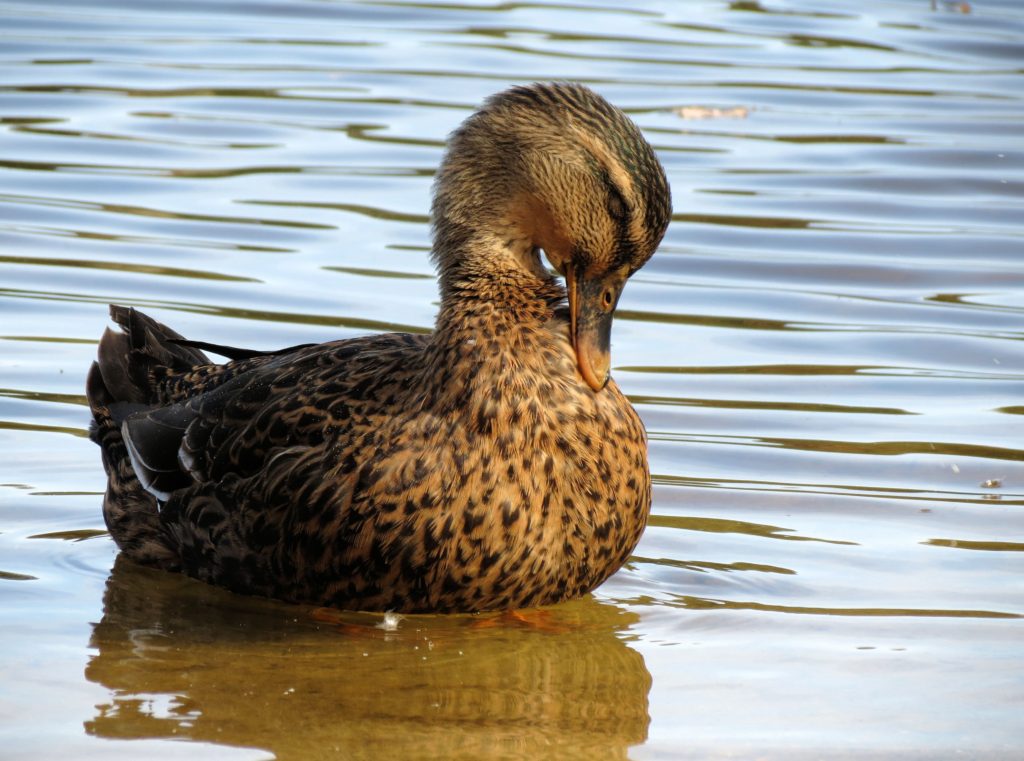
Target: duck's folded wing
153	438
230	430
206	436
258	408
174	446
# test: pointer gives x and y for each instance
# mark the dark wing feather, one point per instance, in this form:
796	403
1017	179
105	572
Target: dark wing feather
153	439
234	352
174	446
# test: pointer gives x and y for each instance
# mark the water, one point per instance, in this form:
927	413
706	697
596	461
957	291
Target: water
827	352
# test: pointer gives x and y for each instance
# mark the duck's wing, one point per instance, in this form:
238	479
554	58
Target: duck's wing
232	472
162	407
153	440
258	477
260	407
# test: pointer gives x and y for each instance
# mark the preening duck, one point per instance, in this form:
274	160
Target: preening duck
491	464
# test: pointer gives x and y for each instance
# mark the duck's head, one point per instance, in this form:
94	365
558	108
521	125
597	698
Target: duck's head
558	169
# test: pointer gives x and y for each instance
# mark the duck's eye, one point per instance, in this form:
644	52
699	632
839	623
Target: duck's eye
607	298
617	206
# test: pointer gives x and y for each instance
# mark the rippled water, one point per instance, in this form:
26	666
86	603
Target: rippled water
827	352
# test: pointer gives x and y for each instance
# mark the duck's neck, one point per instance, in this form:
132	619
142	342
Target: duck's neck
494	266
471	254
497	305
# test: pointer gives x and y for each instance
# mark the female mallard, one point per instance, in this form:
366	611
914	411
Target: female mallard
489	465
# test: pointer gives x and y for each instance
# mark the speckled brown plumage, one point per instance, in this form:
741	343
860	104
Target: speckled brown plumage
492	464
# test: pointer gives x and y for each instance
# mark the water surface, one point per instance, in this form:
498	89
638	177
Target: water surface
827	353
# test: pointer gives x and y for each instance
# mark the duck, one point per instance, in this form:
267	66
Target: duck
491	465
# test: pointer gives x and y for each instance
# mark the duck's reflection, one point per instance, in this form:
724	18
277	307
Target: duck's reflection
184	660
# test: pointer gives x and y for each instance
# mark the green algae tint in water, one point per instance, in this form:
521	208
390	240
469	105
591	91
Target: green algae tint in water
827	353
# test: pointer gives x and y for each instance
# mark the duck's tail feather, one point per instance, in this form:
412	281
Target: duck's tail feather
123	381
129	359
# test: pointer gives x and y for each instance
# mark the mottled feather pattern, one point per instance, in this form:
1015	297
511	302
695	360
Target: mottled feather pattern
470	469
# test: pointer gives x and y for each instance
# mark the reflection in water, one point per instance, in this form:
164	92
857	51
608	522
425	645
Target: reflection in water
185	660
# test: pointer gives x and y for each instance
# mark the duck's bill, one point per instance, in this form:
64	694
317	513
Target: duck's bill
590	327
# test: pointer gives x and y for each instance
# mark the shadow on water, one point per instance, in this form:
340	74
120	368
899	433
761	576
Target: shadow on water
187	661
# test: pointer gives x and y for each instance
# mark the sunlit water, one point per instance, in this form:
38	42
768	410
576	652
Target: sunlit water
827	353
